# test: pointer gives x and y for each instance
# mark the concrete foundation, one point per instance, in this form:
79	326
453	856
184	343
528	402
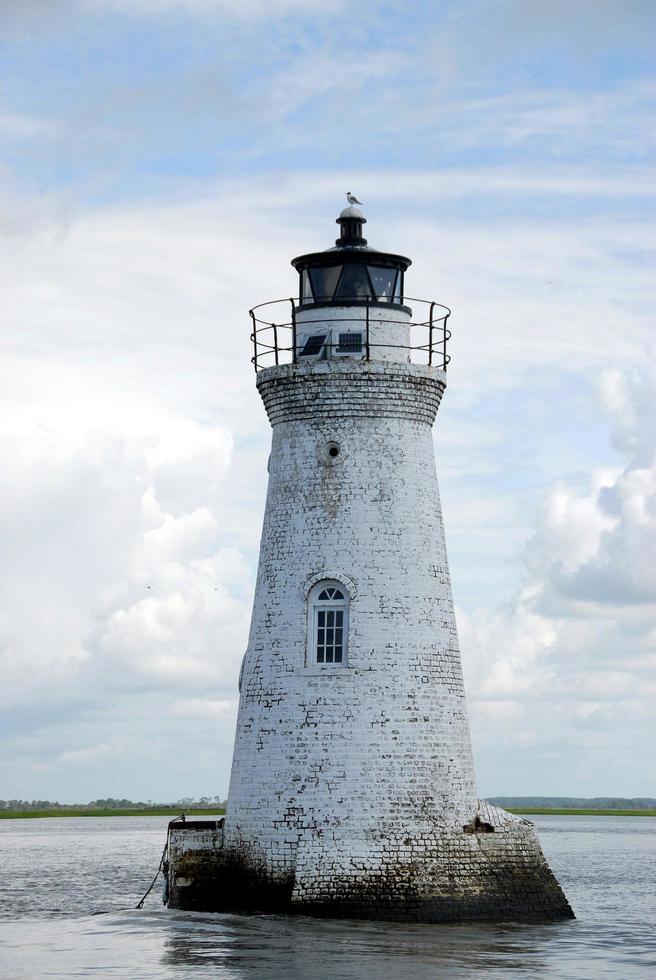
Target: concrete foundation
493	870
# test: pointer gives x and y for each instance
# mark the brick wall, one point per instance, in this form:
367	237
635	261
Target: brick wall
352	788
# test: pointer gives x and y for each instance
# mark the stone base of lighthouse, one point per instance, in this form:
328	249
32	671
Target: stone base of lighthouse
492	869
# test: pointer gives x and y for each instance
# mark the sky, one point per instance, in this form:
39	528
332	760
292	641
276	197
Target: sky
161	162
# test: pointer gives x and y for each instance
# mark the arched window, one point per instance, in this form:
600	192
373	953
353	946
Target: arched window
328	624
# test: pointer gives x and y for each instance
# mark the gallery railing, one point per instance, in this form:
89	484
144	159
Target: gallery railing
277	342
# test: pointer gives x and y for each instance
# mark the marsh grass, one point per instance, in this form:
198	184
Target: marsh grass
545	810
155	811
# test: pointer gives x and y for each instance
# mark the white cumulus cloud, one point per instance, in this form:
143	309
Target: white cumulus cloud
578	644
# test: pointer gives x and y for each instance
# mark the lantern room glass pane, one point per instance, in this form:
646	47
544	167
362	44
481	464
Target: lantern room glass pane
398	289
324	282
354	283
384	282
306	291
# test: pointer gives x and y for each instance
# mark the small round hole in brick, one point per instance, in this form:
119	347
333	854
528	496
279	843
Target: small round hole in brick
332	452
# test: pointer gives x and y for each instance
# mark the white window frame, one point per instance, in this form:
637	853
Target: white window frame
315	606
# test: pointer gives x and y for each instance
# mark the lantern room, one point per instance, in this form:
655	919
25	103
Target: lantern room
351	273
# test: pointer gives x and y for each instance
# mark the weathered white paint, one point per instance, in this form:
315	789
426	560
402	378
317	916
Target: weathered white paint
389	329
383	742
352	787
194	859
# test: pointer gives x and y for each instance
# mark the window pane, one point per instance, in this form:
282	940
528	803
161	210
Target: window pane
313	345
398	291
354	283
330	646
306	292
383	281
324	282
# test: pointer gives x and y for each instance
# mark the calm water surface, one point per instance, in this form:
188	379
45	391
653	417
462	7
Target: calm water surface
68	888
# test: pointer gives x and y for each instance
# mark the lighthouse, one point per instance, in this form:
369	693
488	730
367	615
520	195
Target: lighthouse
352	790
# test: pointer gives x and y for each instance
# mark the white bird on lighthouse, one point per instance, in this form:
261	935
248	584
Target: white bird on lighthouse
352	199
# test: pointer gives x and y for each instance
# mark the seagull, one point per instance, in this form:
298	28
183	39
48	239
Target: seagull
352	199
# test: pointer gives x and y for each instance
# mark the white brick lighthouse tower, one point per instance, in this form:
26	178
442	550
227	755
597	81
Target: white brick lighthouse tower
352	790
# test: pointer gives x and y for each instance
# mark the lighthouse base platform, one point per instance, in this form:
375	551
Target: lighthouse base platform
493	869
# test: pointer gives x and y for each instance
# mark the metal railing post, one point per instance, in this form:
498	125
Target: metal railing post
254	339
430	335
434	347
275	341
293	331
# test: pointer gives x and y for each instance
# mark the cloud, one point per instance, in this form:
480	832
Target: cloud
16	126
45	14
92	754
121	600
128	104
34	11
588	21
243	9
113	575
562	122
188	632
220	710
135	450
578	642
599	548
159	172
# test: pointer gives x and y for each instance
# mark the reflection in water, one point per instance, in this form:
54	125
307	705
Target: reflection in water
304	949
68	890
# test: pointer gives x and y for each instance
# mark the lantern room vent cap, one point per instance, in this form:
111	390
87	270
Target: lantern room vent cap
352	212
350	246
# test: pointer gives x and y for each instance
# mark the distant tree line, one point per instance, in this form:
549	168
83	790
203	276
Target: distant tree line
191	803
186	803
576	802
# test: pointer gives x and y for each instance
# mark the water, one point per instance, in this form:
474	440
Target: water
68	888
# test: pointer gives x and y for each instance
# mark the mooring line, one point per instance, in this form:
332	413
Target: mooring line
162	861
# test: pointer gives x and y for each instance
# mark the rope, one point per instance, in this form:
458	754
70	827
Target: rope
162	861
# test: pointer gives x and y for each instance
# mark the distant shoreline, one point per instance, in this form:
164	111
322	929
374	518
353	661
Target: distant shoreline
218	811
579	812
155	811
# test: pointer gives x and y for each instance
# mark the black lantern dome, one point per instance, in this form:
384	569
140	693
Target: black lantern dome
352	273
